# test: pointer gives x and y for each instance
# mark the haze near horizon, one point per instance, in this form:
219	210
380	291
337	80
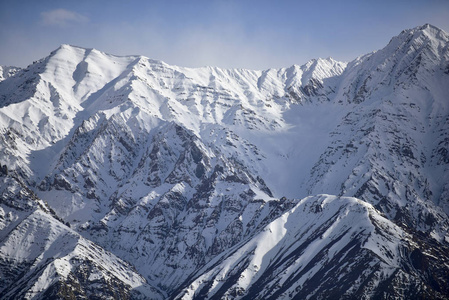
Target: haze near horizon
228	34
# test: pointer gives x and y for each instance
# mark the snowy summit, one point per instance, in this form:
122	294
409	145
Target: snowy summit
126	177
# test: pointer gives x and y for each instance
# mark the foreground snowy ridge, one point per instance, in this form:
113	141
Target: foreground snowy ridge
42	258
301	258
127	177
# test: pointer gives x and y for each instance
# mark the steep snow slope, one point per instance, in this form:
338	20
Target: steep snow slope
74	84
115	133
182	198
392	149
342	247
174	169
42	258
41	104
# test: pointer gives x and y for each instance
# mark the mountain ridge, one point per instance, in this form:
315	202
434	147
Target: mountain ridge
176	171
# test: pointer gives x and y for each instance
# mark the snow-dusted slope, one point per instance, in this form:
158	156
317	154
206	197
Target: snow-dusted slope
42	258
341	248
391	150
72	85
175	169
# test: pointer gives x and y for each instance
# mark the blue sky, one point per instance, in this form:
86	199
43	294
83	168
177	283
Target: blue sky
230	34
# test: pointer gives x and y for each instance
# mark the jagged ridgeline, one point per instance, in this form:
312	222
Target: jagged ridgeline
128	178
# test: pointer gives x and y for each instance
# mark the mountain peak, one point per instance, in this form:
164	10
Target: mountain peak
429	28
197	176
409	59
424	33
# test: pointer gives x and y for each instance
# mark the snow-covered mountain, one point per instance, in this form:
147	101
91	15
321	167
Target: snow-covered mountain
341	247
128	177
42	258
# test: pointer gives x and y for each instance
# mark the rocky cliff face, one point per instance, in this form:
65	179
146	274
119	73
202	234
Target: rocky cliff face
186	183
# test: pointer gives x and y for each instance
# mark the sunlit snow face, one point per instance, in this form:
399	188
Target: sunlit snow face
200	177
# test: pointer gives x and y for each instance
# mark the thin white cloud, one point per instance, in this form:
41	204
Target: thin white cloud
62	17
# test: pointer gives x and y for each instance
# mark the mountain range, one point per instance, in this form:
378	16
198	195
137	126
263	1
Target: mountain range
123	177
